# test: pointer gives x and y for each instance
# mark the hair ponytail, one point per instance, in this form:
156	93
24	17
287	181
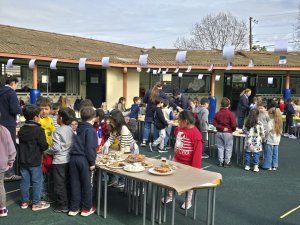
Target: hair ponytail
155	91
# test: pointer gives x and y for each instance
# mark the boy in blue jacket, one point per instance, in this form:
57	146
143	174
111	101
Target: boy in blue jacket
82	163
289	124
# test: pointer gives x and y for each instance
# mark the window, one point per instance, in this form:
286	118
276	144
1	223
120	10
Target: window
263	87
294	84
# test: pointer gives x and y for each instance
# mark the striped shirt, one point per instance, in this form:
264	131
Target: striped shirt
126	139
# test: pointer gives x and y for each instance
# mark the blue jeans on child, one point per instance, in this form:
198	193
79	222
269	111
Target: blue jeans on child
248	158
168	134
271	156
35	175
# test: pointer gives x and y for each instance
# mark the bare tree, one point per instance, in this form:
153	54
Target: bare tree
296	35
214	32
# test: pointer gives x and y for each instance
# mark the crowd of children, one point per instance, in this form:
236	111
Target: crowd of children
52	143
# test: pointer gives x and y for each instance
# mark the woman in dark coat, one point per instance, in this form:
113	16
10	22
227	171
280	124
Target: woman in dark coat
243	107
149	99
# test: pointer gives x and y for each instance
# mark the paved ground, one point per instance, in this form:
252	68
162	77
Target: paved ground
244	198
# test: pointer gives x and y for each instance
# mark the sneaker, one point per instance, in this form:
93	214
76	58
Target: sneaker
143	144
24	205
168	199
112	183
255	168
60	210
226	165
167	148
40	206
247	168
220	164
47	199
12	178
73	213
292	136
162	150
3	212
119	185
286	135
85	212
205	156
189	205
269	169
274	168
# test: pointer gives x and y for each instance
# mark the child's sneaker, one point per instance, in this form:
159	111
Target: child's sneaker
24	205
270	169
162	150
40	206
3	212
143	144
286	135
292	136
247	168
188	205
274	168
73	213
168	199
85	212
255	168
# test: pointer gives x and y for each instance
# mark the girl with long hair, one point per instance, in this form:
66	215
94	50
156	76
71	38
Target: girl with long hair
255	135
274	132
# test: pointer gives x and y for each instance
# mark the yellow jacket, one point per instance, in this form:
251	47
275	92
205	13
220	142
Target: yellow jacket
48	125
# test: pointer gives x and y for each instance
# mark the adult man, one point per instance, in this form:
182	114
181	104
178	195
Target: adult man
180	99
9	109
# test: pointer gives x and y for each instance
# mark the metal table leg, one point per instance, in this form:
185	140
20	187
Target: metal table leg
195	204
186	197
105	195
208	206
213	199
99	192
165	205
144	202
153	204
173	208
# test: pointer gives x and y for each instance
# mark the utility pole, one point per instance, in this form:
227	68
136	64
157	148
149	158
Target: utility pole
250	35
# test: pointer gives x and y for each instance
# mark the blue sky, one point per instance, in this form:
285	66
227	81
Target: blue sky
147	23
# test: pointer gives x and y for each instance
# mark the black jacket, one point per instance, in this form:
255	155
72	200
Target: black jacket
85	142
243	107
9	106
159	119
32	142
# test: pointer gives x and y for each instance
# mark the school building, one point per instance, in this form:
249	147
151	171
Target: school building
31	52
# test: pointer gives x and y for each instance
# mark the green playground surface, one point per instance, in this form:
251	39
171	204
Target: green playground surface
243	198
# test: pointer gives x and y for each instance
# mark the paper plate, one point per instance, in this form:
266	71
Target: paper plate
153	171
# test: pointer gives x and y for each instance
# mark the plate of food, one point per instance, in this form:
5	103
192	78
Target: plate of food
116	165
146	164
134	168
161	171
135	158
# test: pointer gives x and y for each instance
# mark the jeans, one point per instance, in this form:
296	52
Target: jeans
241	122
161	139
168	134
224	144
248	158
271	156
35	175
147	131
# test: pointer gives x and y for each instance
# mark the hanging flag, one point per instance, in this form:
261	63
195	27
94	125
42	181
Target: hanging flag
189	69
180	74
105	62
159	70
211	67
81	65
53	64
281	46
251	63
148	70
270	80
9	63
181	56
177	69
228	52
154	71
200	76
139	69
244	79
229	66
282	60
143	60
218	77
31	63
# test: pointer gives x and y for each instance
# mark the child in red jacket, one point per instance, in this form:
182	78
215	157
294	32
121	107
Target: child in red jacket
188	148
